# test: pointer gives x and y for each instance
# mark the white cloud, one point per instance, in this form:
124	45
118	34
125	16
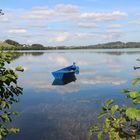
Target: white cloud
39	26
115	26
57	37
97	16
18	30
111	34
87	25
82	35
62	37
114	31
70	19
4	19
66	9
71	12
44	13
136	22
38	13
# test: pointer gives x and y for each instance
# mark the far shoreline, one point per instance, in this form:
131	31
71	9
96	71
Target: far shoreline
70	49
14	45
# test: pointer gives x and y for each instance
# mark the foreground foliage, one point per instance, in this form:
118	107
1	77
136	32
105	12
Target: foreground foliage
121	122
9	90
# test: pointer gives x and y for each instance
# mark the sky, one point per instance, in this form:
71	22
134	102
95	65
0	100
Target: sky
70	22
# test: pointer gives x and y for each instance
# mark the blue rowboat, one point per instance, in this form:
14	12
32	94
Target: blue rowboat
65	80
70	70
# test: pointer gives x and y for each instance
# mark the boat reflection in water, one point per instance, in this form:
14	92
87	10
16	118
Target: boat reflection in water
67	78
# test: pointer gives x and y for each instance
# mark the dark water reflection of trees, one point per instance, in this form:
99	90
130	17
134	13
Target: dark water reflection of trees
16	55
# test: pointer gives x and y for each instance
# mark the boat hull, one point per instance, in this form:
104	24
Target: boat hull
59	74
65	80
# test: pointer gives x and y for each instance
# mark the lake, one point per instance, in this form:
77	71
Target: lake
51	111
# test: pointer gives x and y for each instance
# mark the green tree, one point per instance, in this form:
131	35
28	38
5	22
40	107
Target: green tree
37	47
9	91
121	122
12	42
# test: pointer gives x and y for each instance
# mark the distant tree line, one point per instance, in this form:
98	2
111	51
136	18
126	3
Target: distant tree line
14	45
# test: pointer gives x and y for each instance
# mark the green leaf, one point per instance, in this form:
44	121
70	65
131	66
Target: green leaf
135	81
5	117
102	114
3	78
122	110
133	113
100	135
136	100
8	105
109	102
14	130
137	59
93	129
114	109
107	123
1	65
3	104
103	107
19	68
134	93
112	134
116	123
13	77
1	137
125	90
135	67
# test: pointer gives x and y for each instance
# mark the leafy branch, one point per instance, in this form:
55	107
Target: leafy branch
121	122
9	91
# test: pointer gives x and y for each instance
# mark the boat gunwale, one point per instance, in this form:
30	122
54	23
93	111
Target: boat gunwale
63	69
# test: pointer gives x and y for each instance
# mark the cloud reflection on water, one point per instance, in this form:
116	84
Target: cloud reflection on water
102	79
70	88
82	80
94	69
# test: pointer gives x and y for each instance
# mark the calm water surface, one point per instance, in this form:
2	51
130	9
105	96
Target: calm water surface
65	112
